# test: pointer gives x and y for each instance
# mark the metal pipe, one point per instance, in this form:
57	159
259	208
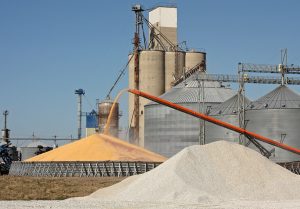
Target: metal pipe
215	121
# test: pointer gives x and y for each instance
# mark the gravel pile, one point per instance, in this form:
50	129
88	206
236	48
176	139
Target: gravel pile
216	172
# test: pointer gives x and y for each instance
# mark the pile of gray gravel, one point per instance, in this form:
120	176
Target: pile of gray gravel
220	171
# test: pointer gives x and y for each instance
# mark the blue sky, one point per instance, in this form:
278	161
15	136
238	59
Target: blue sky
50	48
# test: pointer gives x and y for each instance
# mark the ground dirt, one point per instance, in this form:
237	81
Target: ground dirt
51	188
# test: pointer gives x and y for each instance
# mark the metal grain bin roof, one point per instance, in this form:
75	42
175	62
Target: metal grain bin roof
188	92
280	98
228	107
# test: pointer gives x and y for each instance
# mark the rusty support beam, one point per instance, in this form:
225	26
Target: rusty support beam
136	86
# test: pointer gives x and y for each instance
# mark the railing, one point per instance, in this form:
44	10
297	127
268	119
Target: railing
80	169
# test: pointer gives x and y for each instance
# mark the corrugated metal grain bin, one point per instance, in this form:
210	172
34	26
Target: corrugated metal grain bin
277	116
227	112
167	131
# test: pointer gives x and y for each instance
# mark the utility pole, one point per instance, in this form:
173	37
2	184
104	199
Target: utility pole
5	130
79	92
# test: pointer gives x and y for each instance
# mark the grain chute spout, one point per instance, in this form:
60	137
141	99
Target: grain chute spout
215	121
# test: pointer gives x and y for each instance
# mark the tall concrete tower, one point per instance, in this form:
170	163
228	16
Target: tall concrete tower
165	20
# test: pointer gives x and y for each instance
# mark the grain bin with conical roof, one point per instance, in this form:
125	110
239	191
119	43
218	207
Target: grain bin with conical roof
277	116
167	131
227	112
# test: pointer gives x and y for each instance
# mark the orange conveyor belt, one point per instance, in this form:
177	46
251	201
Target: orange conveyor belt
215	121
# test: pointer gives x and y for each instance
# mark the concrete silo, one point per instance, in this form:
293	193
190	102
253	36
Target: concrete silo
151	80
192	58
174	66
167	131
277	116
227	112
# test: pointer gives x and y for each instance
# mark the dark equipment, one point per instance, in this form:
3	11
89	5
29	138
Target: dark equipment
42	149
6	159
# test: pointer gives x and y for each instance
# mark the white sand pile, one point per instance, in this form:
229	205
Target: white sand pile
220	171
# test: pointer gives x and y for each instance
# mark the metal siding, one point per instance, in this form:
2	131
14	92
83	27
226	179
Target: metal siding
90	131
214	132
91	121
227	112
168	131
104	110
28	152
274	122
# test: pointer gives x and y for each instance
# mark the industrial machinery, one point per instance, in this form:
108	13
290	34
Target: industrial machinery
168	131
157	64
42	149
6	159
7	153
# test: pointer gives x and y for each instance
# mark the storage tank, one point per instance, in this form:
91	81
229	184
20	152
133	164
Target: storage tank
92	124
104	108
167	131
174	66
151	80
277	116
227	112
193	58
